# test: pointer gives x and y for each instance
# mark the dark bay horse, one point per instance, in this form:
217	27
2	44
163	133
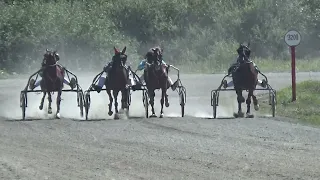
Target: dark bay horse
245	77
52	80
156	77
117	80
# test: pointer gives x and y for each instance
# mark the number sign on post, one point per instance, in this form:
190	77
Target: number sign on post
292	39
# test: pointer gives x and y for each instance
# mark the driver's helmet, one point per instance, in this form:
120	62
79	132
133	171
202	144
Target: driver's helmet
244	48
57	56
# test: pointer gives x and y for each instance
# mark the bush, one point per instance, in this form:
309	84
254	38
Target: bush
202	32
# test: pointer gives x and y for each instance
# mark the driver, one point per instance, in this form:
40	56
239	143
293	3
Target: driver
34	84
142	66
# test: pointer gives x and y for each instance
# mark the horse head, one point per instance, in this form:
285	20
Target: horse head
50	58
244	53
119	58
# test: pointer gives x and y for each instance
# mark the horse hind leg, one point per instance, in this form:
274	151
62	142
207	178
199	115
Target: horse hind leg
240	100
124	97
110	103
50	102
248	102
163	97
42	100
255	103
167	100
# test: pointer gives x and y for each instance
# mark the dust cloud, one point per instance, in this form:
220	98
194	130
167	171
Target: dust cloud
197	105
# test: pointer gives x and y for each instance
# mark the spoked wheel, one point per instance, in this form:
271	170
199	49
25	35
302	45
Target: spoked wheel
145	100
273	103
182	96
214	104
23	104
81	103
87	104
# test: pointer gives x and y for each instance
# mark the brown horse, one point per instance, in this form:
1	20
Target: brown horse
118	78
52	80
245	77
156	77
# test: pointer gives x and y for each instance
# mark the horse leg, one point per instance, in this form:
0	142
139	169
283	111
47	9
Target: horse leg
248	102
240	100
124	97
50	101
58	103
151	102
255	102
163	96
166	100
115	96
110	103
42	100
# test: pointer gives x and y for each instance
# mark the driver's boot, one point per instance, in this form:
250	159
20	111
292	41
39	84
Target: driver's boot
101	82
72	82
172	85
32	84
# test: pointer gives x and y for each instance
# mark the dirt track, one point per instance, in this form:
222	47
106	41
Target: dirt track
193	147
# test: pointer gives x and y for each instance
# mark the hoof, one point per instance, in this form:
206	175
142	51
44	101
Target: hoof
248	115
161	115
110	113
58	115
49	111
40	107
167	104
116	116
153	116
256	107
238	115
126	111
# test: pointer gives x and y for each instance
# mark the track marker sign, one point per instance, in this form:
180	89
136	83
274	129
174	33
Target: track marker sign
293	39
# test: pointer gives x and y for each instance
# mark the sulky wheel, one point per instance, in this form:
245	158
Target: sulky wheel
23	104
214	104
87	104
182	102
273	103
145	99
81	103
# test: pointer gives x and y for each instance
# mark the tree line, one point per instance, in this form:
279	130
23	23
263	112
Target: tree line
194	31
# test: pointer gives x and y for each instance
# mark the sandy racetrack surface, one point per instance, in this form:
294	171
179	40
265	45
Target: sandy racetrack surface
193	147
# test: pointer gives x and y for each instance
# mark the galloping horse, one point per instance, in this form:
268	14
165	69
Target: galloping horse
118	78
245	77
156	77
52	81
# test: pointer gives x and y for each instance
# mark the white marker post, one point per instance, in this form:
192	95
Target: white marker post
292	39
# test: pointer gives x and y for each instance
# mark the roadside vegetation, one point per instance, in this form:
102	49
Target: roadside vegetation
305	108
197	35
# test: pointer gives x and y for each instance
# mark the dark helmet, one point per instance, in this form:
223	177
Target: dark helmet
245	49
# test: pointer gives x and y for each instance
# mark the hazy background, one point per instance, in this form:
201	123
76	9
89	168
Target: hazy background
202	32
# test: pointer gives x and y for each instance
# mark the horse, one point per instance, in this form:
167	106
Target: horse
245	77
52	80
118	77
156	77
